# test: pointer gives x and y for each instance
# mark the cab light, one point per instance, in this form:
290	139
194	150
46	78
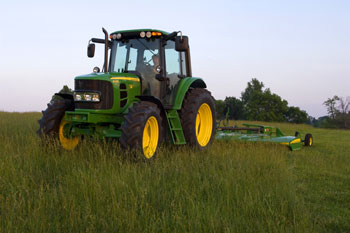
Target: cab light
142	34
148	34
156	33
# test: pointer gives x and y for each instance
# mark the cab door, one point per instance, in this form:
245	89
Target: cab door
175	70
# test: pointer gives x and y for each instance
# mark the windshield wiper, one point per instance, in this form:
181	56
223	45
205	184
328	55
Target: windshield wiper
145	46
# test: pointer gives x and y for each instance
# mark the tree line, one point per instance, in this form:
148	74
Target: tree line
259	104
338	109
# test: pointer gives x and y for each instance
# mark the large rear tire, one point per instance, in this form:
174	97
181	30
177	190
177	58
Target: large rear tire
142	130
52	124
198	117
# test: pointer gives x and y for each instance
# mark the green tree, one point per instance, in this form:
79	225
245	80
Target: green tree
65	90
295	115
338	109
330	103
220	109
262	105
343	113
235	108
254	87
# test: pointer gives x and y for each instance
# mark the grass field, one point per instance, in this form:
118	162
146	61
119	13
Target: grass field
231	187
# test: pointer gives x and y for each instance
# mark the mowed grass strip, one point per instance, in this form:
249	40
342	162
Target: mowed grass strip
231	187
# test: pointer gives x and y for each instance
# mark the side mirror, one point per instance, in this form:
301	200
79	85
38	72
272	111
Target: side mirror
181	43
91	50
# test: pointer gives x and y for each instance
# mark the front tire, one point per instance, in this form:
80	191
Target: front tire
52	124
142	129
198	117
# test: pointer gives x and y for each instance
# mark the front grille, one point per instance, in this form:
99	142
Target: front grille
123	95
103	87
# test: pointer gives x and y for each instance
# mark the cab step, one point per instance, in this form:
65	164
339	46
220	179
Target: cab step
174	123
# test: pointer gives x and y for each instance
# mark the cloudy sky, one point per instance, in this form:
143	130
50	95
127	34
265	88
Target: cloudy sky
299	49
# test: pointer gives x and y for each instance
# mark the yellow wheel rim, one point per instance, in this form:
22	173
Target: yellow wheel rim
310	142
204	124
67	143
150	137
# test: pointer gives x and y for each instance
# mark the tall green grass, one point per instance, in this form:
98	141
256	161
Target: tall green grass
230	187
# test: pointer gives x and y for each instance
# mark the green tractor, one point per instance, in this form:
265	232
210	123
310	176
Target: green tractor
144	95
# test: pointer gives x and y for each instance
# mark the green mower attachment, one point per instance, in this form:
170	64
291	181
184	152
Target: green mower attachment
261	133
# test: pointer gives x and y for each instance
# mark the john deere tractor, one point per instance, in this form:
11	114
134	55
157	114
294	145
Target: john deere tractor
145	94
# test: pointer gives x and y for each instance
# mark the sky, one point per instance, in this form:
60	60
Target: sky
298	49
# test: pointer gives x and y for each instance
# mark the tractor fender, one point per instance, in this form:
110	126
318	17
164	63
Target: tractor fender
184	85
153	100
163	113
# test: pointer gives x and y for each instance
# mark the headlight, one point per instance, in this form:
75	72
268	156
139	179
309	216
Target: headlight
96	98
77	97
87	97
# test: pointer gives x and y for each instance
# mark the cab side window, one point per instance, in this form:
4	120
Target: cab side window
174	60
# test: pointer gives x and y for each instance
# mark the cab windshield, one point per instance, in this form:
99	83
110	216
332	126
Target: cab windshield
133	55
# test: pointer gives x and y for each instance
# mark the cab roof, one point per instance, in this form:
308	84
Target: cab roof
140	30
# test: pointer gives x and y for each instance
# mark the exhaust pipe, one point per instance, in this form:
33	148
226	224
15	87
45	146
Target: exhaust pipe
106	50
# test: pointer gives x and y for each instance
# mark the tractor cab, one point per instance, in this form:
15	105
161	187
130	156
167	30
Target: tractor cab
158	58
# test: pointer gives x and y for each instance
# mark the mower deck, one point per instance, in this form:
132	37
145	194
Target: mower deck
261	133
